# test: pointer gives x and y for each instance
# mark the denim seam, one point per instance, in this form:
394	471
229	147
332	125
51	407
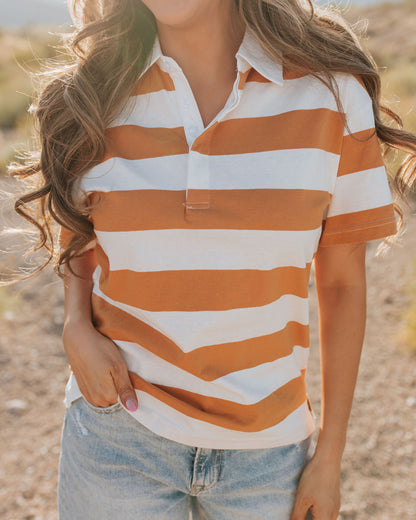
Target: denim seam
195	486
105	410
206	487
219	467
211	484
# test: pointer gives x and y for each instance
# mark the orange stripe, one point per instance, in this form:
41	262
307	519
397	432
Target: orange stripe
318	128
360	155
209	362
211	289
360	235
315	128
139	142
359	219
359	226
153	80
275	209
227	414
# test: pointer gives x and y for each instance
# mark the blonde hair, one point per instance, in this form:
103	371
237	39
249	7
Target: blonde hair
109	48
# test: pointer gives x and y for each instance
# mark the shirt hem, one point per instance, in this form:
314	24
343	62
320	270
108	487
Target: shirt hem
72	393
359	234
230	444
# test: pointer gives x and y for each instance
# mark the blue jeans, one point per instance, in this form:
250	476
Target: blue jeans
111	467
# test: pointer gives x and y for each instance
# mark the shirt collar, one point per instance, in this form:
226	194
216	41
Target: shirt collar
249	54
255	56
154	55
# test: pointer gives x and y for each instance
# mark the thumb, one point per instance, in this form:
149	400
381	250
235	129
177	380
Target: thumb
126	390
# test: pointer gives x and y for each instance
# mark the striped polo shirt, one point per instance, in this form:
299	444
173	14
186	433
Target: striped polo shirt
205	236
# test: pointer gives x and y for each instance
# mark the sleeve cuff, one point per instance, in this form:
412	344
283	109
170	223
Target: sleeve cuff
363	233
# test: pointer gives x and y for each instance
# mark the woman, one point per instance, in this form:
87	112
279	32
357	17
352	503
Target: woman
197	159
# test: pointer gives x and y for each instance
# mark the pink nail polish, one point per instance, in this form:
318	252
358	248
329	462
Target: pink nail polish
132	405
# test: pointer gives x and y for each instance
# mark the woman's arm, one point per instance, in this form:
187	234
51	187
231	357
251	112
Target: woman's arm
77	307
95	360
341	290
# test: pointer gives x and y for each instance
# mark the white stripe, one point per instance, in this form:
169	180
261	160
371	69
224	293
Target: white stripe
247	386
358	121
359	106
308	93
360	191
157	250
160	110
172	424
199	172
266	99
301	168
117	174
152	110
192	330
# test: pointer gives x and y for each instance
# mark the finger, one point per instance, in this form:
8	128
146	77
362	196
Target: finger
97	396
309	515
125	387
299	512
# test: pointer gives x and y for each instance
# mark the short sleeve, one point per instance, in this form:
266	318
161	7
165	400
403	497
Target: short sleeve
361	205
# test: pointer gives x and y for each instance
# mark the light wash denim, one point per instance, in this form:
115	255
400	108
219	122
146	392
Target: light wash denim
111	467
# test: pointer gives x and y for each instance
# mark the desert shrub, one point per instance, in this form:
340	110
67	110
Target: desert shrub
21	53
407	334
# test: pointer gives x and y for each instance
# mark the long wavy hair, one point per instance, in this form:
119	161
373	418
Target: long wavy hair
108	50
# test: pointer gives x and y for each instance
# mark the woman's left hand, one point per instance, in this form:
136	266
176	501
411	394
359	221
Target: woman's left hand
318	490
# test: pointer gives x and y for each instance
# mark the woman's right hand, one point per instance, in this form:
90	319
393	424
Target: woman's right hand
98	366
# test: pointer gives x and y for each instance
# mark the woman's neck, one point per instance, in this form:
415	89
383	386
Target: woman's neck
205	47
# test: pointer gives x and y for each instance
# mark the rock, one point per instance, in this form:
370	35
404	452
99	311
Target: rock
348	512
410	401
16	406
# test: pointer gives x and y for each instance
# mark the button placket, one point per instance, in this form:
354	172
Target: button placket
198	175
198	180
197	183
192	121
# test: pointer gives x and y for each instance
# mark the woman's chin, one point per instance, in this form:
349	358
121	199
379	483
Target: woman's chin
175	13
183	14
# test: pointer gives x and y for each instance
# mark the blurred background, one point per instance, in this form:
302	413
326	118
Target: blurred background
379	462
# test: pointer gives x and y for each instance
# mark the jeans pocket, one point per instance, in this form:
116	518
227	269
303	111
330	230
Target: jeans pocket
102	409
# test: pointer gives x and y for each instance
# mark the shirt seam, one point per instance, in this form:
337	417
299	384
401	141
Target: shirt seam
366	225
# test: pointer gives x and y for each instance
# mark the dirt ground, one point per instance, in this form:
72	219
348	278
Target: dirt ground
379	462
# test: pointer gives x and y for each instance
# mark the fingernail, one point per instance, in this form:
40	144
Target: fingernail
132	405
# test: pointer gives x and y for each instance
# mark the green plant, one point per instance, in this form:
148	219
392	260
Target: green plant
9	302
21	53
407	335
